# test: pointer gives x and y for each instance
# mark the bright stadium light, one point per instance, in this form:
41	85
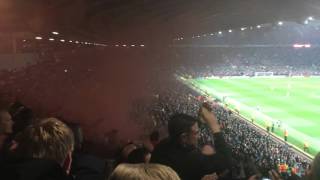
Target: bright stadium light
51	39
133	45
70	41
310	18
298	45
38	38
181	38
243	28
307	45
55	33
77	42
124	45
198	36
62	40
142	45
220	32
230	31
259	26
280	23
211	34
306	22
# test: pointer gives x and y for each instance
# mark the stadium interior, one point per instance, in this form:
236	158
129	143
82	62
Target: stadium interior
119	73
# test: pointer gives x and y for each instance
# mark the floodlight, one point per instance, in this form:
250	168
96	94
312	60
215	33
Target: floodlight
307	45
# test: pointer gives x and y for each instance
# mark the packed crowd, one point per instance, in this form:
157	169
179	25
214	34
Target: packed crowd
250	145
232	70
214	146
286	61
261	148
200	144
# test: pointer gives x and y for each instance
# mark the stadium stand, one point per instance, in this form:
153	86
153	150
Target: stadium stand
253	151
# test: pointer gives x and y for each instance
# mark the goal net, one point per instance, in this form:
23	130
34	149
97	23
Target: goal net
263	74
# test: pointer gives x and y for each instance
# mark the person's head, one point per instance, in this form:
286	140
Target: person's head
22	117
184	129
126	150
154	136
139	155
49	139
6	122
314	173
143	172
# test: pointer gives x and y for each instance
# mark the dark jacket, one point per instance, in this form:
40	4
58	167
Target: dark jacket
189	162
32	169
87	167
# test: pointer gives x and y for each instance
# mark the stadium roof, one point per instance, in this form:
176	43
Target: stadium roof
113	20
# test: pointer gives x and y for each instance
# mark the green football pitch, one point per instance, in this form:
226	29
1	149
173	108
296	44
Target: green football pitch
291	103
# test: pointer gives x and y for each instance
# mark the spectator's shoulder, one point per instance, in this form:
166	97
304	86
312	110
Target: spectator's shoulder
33	169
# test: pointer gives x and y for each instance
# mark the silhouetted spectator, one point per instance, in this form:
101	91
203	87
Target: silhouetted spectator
22	117
6	124
139	155
314	172
84	166
44	152
122	155
180	153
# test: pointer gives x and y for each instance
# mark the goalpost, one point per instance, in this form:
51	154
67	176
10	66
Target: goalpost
263	74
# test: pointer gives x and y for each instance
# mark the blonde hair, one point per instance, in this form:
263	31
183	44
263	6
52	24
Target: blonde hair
143	172
49	139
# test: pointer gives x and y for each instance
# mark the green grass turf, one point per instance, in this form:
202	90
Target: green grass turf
294	101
